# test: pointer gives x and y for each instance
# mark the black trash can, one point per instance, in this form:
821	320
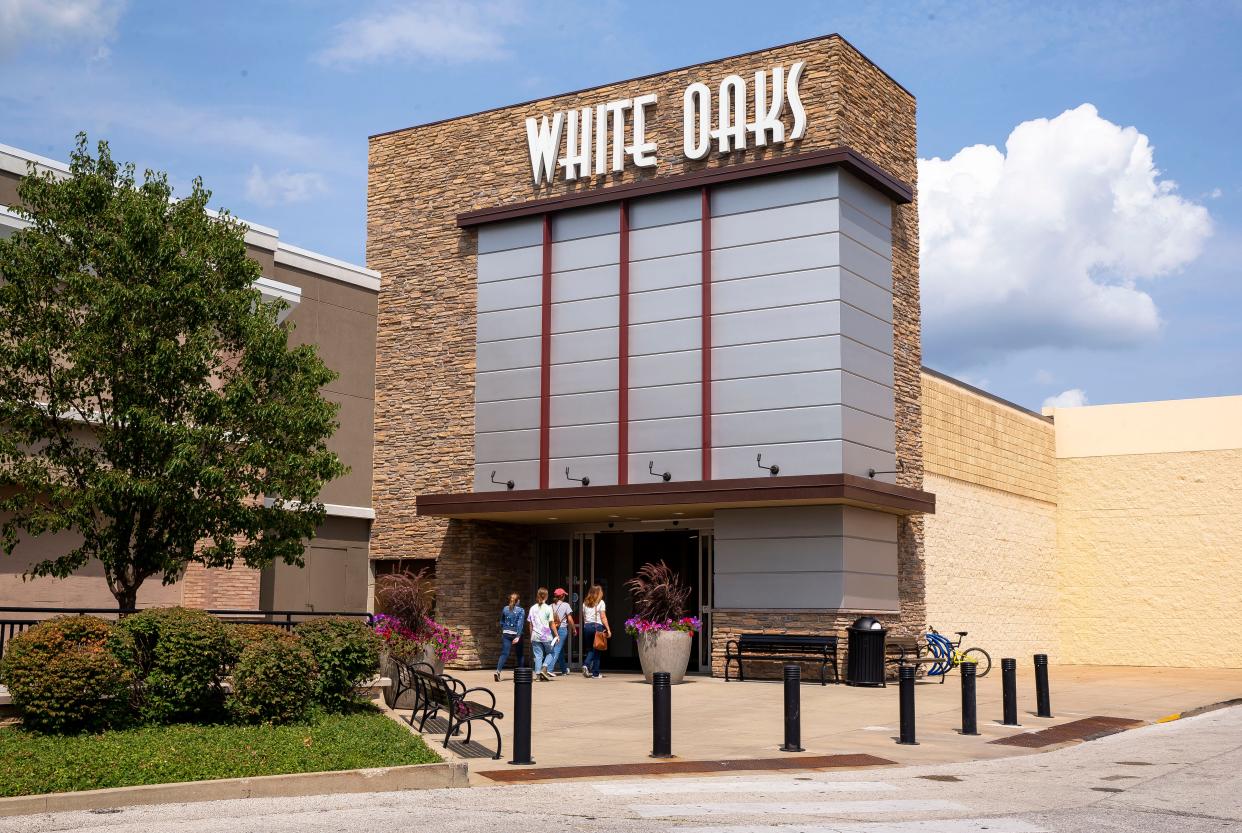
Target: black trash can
865	661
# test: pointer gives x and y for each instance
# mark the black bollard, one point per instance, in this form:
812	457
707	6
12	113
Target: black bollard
1009	688
793	709
906	700
661	715
970	722
522	678
1043	707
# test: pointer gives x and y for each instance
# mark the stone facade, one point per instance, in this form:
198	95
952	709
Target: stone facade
420	178
220	589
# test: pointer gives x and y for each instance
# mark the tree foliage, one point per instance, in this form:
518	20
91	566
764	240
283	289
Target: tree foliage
149	398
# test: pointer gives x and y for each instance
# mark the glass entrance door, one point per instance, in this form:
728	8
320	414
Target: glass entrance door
581	577
707	571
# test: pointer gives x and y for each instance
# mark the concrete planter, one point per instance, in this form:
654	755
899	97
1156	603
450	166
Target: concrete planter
665	651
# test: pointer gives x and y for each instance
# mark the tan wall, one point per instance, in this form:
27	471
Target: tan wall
1149	533
419	179
991	546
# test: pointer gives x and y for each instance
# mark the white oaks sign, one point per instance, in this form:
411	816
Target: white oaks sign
592	141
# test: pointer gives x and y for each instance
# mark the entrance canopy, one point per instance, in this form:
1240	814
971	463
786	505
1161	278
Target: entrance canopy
694	499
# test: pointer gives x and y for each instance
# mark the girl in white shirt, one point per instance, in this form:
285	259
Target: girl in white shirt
594	621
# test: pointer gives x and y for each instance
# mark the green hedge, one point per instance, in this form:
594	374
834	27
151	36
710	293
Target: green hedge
182	657
273	682
347	653
70	674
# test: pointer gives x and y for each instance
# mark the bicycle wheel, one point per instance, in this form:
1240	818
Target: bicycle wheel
983	662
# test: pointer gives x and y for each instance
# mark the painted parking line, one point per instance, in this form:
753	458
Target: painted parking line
734	785
999	825
797	808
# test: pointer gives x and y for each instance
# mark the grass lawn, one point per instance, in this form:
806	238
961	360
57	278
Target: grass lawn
167	754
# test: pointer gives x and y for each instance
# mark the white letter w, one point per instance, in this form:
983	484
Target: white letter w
544	145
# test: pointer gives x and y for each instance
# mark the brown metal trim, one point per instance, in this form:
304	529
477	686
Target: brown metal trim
809	487
853	161
649	75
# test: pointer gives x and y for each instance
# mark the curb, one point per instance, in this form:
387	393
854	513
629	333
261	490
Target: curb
387	779
1198	710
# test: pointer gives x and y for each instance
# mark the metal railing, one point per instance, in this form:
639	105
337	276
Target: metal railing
15	620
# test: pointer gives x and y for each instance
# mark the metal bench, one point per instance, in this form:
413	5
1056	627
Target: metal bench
440	692
789	647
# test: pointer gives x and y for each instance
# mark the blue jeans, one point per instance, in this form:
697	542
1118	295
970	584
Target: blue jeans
506	643
591	663
560	651
541	649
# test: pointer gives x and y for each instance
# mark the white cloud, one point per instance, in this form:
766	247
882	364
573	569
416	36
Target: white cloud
442	31
1045	243
50	22
283	187
1072	398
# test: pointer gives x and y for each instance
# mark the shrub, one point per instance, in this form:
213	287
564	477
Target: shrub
273	681
183	656
70	674
408	597
347	652
245	635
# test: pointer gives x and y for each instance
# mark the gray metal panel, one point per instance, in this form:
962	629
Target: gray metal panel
776	357
510	234
664	337
776	256
793	458
866	199
780	555
866	395
866	328
652	435
865	263
780	323
510	294
507	355
506	446
779	522
586	222
585	346
861	360
510	323
778	591
857	459
783	289
865	523
793	390
591	314
506	415
585	252
525	475
863	591
582	408
775	224
861	555
682	465
867	429
663	272
666	401
664	209
602	469
872	234
666	304
665	241
596	282
773	191
584	377
496	385
583	440
667	369
786	425
514	263
863	294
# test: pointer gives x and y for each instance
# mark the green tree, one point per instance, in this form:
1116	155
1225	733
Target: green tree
149	398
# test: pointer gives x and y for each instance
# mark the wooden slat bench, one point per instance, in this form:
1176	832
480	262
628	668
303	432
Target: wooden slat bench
786	647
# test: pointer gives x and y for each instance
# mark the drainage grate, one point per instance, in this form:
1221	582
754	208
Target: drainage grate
1089	728
513	776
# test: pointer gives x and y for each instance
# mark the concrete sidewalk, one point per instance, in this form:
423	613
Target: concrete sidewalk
608	721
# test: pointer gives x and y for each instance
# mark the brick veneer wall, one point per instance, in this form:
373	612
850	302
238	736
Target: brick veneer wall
220	589
420	178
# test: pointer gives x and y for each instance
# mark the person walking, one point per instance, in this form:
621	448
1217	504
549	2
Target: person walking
512	616
565	624
543	634
594	629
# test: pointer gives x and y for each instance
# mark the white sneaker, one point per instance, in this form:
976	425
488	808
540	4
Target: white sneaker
586	672
497	676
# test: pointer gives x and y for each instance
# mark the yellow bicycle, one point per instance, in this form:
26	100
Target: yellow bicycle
949	655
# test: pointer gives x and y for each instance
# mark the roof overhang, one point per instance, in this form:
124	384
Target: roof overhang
696	499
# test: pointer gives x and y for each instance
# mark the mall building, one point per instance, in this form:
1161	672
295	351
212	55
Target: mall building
677	317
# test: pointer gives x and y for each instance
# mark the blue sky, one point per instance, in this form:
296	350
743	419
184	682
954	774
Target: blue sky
1030	298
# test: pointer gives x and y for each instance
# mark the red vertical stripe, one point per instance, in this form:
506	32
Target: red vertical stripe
623	352
545	357
706	347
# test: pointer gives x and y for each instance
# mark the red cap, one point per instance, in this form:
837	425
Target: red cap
560	591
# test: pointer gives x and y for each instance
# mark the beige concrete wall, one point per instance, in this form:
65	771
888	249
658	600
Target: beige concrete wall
1149	532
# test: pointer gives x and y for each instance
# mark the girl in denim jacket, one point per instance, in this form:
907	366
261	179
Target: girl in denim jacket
512	622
